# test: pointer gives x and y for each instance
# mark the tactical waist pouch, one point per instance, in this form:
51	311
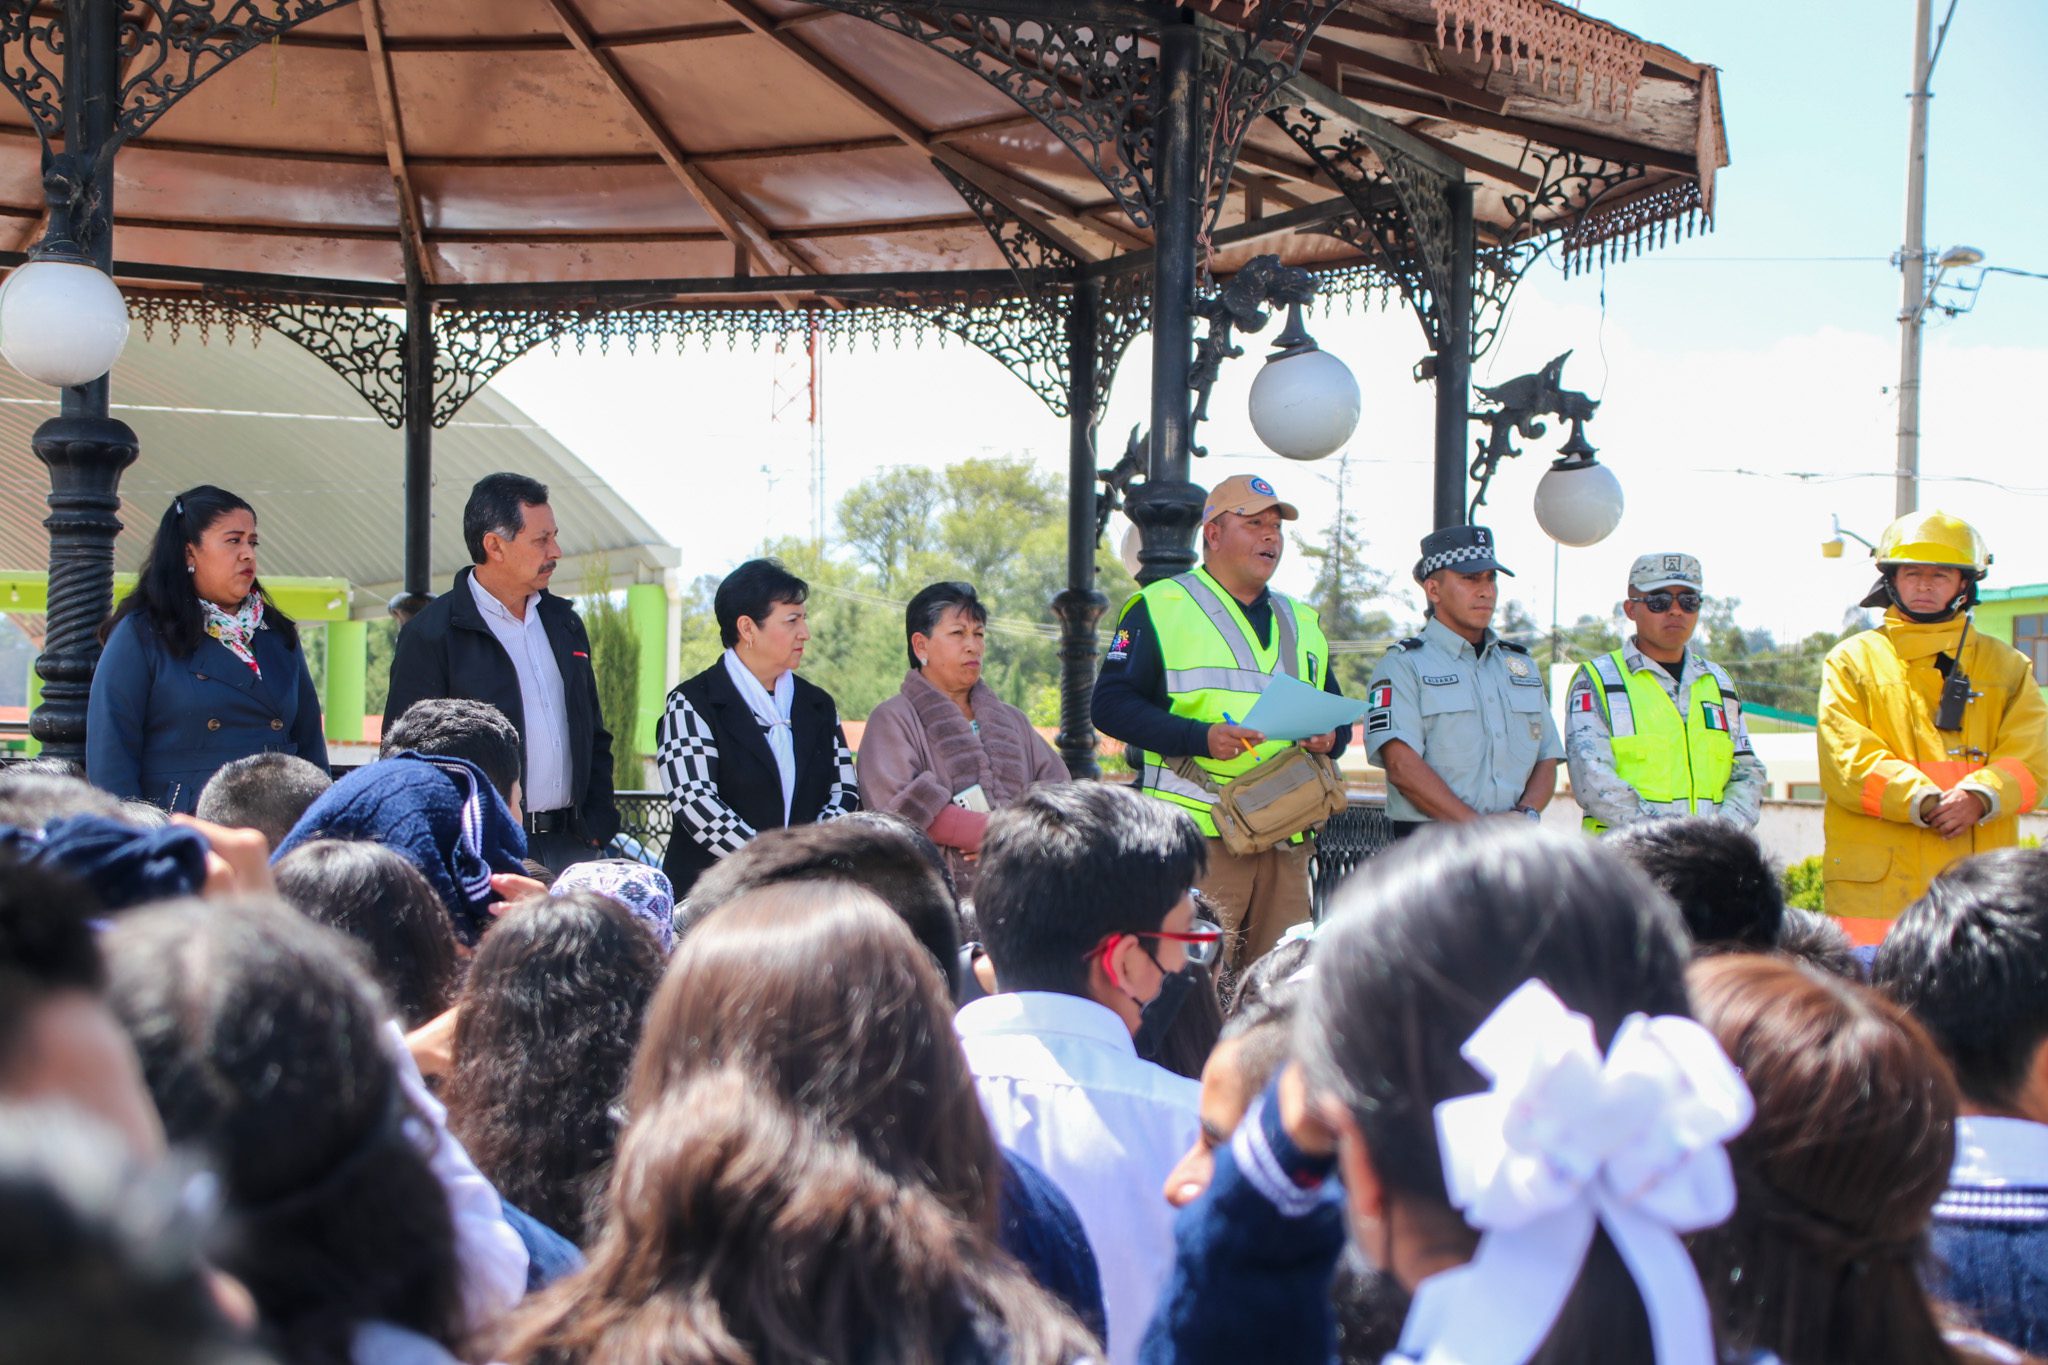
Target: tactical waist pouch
1277	799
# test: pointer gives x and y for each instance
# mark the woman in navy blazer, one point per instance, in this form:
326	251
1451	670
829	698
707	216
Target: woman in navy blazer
198	667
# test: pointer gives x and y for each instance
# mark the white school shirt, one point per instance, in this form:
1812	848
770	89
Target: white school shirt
546	735
1065	1089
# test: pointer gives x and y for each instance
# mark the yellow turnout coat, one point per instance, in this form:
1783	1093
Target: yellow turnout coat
1880	757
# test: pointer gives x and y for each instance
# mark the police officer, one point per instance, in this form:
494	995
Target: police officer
1456	714
1636	750
1190	656
1933	736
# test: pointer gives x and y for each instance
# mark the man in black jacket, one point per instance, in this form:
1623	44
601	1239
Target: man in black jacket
499	636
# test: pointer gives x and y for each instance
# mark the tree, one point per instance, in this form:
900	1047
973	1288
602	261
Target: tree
999	524
1343	595
615	659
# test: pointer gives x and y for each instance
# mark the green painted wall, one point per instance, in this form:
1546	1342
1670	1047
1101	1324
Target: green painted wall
348	654
1998	607
647	610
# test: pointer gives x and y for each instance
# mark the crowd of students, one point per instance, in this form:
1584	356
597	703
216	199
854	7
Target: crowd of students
332	1076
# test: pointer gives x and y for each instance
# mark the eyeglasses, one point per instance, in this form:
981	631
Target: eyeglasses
1202	943
1660	602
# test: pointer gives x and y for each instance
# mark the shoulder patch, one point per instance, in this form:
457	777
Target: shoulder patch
1506	643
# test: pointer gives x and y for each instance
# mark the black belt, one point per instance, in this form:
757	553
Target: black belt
549	821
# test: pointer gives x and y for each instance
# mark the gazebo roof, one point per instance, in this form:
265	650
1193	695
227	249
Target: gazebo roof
688	142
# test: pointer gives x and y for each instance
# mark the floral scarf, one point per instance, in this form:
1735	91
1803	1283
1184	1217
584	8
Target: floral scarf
236	630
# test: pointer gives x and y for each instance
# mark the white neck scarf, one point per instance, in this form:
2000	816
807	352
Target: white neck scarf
772	715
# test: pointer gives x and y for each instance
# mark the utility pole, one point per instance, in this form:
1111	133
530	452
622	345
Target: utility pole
1913	261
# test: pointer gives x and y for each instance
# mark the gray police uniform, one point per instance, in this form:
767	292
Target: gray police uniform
1476	716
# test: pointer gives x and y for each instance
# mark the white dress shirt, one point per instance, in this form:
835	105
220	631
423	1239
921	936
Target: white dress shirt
1997	1153
1065	1089
546	734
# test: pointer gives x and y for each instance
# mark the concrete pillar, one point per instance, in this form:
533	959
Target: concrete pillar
348	654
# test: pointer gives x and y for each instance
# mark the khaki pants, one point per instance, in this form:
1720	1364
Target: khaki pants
1257	897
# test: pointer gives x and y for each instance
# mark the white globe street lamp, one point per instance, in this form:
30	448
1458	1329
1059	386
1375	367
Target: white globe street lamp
1305	404
62	320
1578	501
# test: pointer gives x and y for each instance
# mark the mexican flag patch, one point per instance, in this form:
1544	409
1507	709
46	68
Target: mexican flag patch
1381	696
1715	714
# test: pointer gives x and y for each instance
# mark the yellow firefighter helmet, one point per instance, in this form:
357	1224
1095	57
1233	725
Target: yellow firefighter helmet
1933	538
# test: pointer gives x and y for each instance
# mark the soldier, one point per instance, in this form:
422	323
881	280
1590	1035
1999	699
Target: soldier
1933	737
1636	751
1457	715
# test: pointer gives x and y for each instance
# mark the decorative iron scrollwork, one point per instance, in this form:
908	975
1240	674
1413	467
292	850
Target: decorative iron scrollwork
1125	311
167	47
364	345
471	345
1244	68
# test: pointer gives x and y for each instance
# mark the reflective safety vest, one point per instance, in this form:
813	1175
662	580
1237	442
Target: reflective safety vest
1672	761
1215	666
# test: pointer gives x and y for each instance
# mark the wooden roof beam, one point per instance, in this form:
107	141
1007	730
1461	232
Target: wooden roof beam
415	235
1041	210
732	217
1550	135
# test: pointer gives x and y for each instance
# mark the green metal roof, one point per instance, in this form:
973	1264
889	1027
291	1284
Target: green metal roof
2014	593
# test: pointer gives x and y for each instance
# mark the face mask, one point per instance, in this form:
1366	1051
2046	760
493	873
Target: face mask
1156	1018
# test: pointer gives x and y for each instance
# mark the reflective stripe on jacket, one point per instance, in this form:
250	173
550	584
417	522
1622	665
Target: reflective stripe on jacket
1215	667
1673	761
1881	757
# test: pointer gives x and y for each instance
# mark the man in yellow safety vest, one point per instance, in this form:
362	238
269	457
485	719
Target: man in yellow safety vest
1190	656
1933	737
1652	730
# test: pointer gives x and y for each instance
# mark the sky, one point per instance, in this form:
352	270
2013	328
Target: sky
1745	376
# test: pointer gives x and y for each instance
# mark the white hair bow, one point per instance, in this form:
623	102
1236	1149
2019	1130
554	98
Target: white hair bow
1566	1140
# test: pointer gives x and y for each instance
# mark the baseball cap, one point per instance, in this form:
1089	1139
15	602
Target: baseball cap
1651	572
1247	495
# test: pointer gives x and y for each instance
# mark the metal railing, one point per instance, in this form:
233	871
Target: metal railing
1352	836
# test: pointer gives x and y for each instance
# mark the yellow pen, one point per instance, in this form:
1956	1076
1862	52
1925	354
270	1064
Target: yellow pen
1241	739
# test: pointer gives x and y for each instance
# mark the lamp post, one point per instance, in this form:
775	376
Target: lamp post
62	322
1578	500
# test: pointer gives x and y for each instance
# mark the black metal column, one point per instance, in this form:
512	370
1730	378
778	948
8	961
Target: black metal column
1454	365
1167	507
84	448
419	447
1080	606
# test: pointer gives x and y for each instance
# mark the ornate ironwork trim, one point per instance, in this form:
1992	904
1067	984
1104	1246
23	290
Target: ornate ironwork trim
167	47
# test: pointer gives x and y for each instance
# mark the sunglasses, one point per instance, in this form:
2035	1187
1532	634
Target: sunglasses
1660	602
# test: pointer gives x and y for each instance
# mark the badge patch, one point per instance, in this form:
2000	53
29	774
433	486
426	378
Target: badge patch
1378	721
1582	701
1382	695
1120	646
1442	680
1519	666
1263	489
1715	715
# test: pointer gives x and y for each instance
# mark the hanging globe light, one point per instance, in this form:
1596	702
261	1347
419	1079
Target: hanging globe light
1578	500
62	320
1305	404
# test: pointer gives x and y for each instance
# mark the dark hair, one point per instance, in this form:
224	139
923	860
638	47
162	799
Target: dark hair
48	765
799	1065
1717	875
459	727
924	611
1274	971
745	1228
1969	959
550	1017
926	846
1193	1017
46	946
144	814
101	1264
819	986
1818	941
497	506
32	799
263	1045
876	857
1263	1029
752	590
1065	866
1420	951
1838	1171
375	896
163	591
267	792
1371	1310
